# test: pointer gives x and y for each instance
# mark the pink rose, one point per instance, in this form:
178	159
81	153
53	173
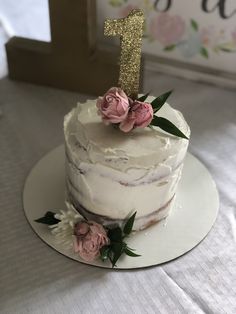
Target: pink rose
167	29
140	116
113	106
90	237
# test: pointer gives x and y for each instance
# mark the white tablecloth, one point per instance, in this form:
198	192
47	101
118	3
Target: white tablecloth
36	279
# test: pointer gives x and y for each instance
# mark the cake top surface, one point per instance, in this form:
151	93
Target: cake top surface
106	144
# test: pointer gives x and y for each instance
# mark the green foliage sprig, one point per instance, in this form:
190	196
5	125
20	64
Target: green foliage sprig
118	246
161	122
116	235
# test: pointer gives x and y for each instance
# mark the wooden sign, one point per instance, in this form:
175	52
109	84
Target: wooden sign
71	60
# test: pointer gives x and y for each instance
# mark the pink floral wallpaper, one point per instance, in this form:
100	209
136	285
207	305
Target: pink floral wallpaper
181	30
173	32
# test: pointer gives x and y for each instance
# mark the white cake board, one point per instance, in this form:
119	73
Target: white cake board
192	217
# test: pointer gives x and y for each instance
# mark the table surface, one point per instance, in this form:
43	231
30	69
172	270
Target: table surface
36	279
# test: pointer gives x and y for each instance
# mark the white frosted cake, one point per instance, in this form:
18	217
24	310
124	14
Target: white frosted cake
110	174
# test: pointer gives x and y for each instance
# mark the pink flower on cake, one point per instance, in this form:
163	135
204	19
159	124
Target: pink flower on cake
167	29
139	116
113	106
90	237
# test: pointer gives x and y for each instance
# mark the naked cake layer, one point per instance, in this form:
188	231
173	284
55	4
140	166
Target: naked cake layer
112	174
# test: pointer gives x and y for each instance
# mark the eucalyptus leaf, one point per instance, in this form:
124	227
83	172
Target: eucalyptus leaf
48	219
115	234
158	102
144	97
129	224
167	126
130	253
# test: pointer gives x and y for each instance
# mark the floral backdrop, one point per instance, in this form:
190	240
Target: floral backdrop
183	32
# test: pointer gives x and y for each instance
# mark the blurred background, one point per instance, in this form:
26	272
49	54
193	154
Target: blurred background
194	39
182	30
26	18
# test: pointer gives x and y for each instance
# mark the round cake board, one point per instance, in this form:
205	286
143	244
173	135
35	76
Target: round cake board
191	219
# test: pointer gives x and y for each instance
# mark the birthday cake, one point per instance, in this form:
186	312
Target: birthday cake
124	159
111	173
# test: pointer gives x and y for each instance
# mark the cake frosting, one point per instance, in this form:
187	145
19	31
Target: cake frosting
111	174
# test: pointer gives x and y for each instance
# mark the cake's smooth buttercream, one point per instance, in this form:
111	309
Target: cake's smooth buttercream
111	174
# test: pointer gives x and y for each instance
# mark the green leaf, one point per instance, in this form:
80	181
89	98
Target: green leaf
160	101
144	97
104	253
118	250
115	234
169	48
129	224
204	52
130	253
48	219
194	25
167	126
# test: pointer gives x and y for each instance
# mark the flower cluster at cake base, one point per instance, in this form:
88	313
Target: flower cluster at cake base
89	239
116	108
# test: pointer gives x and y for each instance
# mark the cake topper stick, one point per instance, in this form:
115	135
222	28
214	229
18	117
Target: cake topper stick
130	30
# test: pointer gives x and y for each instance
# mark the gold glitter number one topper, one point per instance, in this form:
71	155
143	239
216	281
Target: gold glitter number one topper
130	30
